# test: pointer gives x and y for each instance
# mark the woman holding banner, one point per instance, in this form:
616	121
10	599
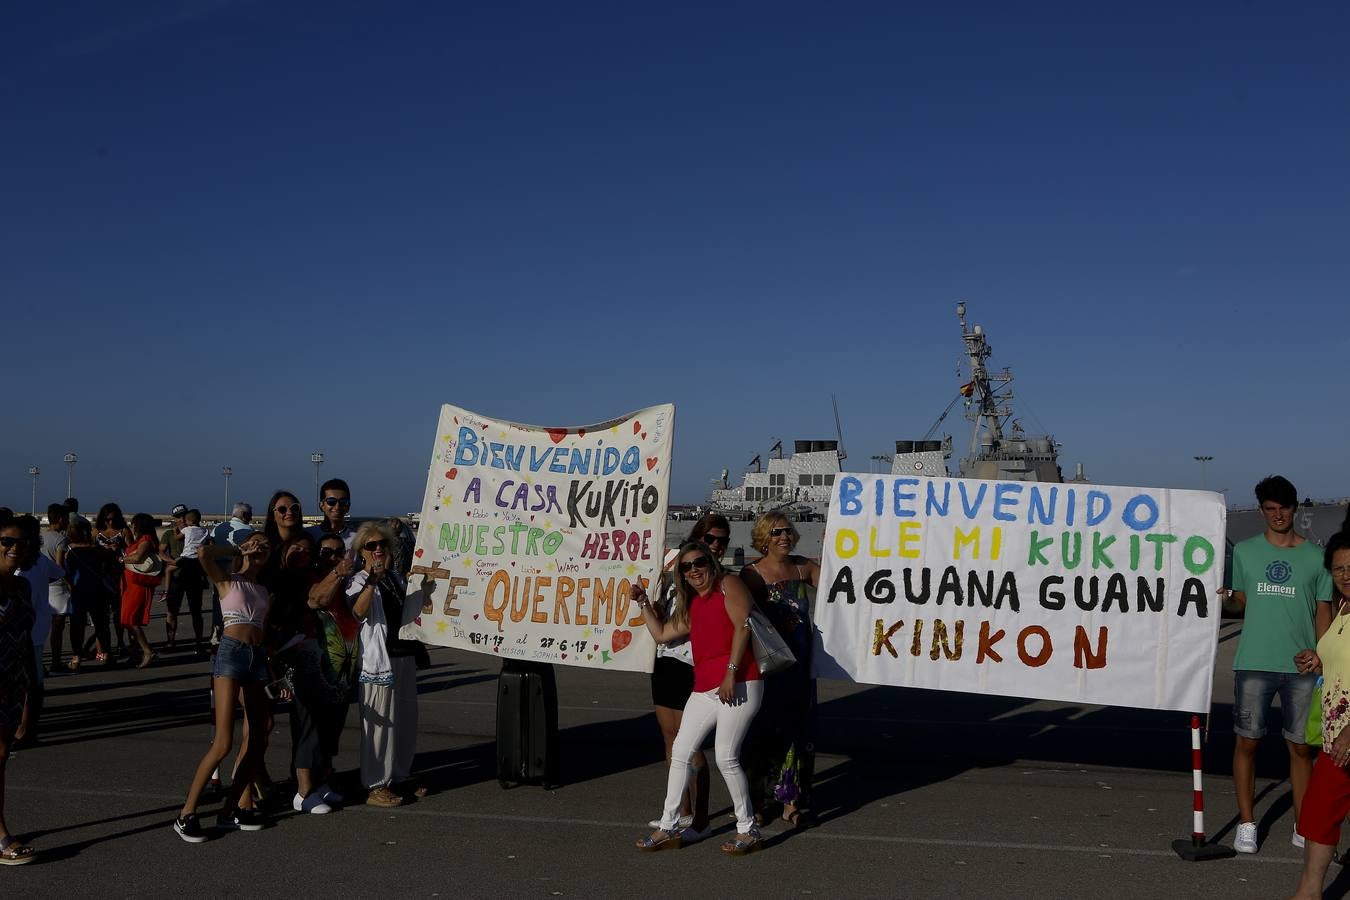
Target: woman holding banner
726	693
783	754
1327	800
388	679
673	680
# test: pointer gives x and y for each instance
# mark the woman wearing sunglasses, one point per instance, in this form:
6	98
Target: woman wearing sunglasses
18	666
240	670
284	521
726	692
1327	799
388	679
673	681
326	667
783	754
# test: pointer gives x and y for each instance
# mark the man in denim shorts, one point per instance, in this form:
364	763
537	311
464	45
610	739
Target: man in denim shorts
1280	581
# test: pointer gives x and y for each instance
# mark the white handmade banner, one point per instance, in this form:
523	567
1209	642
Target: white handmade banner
1084	593
531	538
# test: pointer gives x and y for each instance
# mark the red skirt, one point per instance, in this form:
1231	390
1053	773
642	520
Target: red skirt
135	604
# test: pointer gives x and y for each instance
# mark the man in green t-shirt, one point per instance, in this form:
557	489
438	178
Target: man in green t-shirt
1281	583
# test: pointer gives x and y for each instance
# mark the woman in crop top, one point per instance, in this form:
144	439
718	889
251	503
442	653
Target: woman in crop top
727	688
240	671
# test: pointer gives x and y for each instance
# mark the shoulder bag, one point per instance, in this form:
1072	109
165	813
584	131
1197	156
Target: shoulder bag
771	651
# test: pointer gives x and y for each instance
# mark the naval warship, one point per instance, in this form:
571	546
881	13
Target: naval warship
799	484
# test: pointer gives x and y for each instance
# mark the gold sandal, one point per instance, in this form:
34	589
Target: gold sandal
743	845
14	853
669	840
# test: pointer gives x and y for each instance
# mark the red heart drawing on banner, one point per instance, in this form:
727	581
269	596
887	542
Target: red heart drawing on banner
595	646
418	620
590	656
637	426
622	638
644	435
483	426
581	432
564	656
418	553
651	463
475	615
494	649
556	434
452	473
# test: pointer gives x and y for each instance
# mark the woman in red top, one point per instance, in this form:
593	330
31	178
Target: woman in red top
138	590
727	689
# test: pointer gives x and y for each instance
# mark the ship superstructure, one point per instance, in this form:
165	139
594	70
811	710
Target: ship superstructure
799	484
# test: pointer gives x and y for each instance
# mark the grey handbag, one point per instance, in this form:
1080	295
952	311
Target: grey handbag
771	651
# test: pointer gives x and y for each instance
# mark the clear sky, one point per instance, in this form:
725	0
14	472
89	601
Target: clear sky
235	232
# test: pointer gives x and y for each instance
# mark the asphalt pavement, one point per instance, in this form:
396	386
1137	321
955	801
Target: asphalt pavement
919	794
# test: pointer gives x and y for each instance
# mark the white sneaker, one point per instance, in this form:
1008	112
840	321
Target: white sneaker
311	804
1297	839
681	823
1245	842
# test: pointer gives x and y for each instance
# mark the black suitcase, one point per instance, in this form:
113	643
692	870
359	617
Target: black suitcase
527	724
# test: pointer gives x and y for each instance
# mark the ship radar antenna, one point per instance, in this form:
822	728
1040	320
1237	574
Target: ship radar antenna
838	428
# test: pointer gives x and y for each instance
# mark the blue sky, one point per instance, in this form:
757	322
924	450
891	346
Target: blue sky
234	232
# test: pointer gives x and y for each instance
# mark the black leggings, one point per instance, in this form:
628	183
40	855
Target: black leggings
97	607
187	582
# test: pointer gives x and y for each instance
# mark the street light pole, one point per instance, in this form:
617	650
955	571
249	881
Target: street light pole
1202	460
70	459
317	458
34	472
227	472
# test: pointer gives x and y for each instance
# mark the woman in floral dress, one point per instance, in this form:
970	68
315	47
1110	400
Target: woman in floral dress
783	754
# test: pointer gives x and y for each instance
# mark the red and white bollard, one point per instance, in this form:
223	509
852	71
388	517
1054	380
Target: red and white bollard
1196	849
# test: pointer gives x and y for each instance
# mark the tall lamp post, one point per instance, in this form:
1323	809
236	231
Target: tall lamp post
33	473
227	472
317	458
1202	460
70	459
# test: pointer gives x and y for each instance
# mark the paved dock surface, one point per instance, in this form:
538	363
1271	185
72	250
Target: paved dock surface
919	794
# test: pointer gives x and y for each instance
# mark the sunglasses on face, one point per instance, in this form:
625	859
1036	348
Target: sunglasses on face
287	510
329	552
372	546
698	562
779	532
711	539
8	542
337	501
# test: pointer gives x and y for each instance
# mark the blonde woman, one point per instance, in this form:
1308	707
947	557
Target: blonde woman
784	751
388	679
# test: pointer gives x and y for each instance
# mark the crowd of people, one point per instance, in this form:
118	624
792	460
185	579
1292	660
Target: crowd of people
312	616
305	616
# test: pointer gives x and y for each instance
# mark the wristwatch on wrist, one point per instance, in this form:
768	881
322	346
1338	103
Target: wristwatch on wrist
731	667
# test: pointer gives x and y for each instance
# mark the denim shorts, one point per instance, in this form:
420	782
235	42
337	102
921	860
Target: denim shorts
240	661
1252	693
